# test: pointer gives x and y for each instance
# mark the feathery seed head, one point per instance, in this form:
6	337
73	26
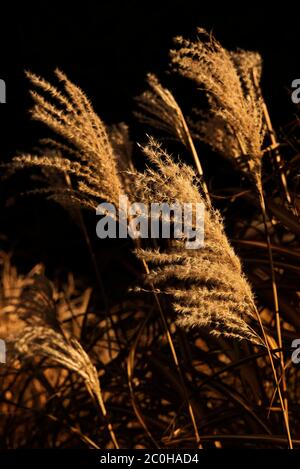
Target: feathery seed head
207	286
89	157
234	124
161	111
45	342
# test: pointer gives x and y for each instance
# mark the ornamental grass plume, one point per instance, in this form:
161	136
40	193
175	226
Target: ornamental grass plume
234	125
69	354
41	339
88	156
45	342
160	109
207	286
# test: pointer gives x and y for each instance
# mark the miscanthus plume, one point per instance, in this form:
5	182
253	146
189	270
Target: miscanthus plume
207	286
234	124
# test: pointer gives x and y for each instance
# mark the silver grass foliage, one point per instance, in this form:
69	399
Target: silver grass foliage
84	153
45	342
159	109
234	124
207	286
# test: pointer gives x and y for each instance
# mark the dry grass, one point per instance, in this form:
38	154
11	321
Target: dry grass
234	126
207	285
193	356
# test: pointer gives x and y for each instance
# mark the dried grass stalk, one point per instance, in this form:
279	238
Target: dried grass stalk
234	125
89	157
207	285
161	110
69	354
45	342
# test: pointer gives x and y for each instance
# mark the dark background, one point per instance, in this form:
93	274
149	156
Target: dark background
107	48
